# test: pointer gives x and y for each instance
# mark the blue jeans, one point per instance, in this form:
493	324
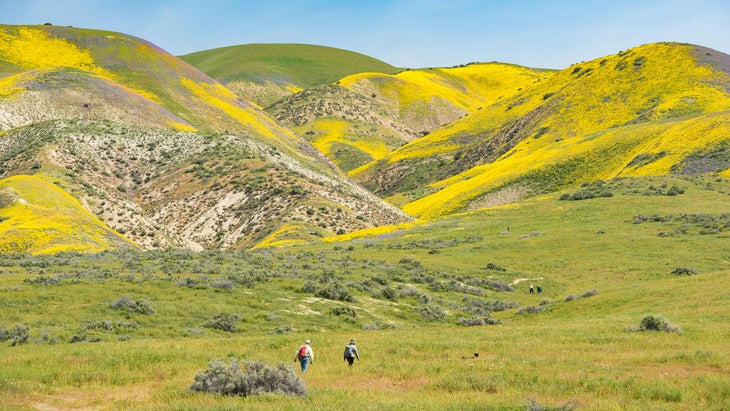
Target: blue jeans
304	361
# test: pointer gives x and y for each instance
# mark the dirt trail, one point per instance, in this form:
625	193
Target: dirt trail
519	280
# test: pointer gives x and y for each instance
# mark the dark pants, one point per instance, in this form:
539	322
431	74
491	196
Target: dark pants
350	360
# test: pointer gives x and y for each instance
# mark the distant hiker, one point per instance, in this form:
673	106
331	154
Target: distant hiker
539	289
532	290
305	355
351	352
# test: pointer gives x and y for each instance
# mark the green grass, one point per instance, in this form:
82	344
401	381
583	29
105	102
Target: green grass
580	353
301	65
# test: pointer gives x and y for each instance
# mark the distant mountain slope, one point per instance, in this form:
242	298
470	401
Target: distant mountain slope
645	110
38	216
265	73
64	72
371	114
430	98
161	152
166	188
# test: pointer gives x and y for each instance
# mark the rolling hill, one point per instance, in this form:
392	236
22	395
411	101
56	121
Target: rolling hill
169	157
651	110
163	153
38	215
265	73
365	116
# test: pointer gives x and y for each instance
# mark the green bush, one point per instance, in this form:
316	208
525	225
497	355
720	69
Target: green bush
657	323
684	271
494	267
255	378
531	310
139	306
332	291
477	321
589	293
223	322
282	329
344	311
431	312
17	335
43	280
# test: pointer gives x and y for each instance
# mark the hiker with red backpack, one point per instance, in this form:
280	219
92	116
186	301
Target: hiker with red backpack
305	355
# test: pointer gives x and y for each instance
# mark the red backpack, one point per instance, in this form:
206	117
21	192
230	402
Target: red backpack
302	351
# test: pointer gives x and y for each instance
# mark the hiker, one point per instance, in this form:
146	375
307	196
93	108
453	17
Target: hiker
305	355
351	352
539	289
532	290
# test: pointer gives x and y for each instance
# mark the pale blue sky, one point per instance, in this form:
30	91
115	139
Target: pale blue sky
405	33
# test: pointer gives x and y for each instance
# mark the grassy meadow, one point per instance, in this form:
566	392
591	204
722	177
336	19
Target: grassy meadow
129	330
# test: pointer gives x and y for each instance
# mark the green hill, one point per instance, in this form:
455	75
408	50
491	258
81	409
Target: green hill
366	116
264	73
83	73
646	111
163	153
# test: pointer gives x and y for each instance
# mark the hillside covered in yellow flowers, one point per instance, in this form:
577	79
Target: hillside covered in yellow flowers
157	151
653	110
156	154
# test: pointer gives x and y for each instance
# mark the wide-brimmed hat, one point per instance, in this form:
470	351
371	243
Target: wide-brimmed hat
307	342
352	341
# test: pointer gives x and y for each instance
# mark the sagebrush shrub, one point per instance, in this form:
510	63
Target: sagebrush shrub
684	271
282	329
657	323
17	335
139	306
223	322
494	267
531	310
332	291
43	280
431	312
343	310
256	377
589	293
477	321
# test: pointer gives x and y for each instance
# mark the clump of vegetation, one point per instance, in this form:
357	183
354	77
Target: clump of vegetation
684	271
656	322
84	338
332	291
481	307
282	329
477	321
534	406
224	322
344	311
589	293
531	309
139	306
42	280
494	267
255	378
589	190
431	312
17	335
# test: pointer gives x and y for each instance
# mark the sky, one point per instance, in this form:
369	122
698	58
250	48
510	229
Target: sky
404	33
